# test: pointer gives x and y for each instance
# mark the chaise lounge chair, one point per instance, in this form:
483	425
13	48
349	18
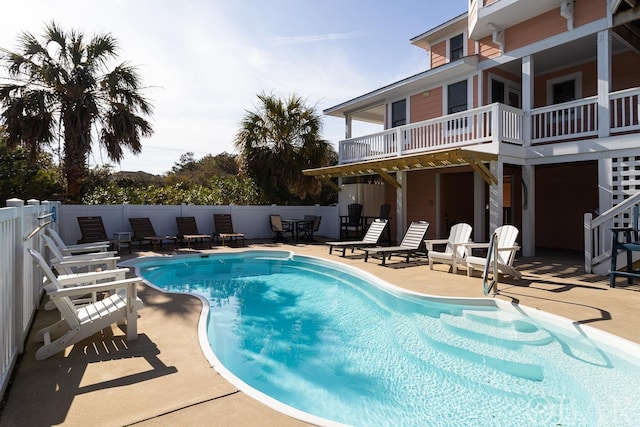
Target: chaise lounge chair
455	249
143	231
409	245
371	238
93	231
81	321
188	230
506	236
224	228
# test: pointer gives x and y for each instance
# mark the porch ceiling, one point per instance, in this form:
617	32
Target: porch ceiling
384	167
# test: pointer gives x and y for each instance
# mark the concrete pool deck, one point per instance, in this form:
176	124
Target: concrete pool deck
164	379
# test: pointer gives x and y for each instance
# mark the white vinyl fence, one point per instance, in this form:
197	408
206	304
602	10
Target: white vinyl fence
21	227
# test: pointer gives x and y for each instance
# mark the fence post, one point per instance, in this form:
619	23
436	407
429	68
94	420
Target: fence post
18	263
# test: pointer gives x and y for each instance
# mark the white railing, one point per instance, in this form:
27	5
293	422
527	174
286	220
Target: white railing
625	110
597	232
454	130
574	119
20	282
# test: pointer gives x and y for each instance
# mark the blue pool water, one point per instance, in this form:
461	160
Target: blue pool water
336	343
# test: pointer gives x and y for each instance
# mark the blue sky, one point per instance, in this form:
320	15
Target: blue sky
205	61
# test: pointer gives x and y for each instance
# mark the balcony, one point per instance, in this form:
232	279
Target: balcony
503	14
492	125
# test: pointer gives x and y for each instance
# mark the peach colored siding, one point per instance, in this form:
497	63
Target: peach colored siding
589	82
420	188
585	11
535	29
425	107
488	49
439	54
625	71
471	47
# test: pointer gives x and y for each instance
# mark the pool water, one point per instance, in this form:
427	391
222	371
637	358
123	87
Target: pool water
328	341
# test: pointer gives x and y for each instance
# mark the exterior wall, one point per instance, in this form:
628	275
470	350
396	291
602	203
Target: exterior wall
563	194
471	47
456	198
425	107
589	81
586	11
488	49
624	70
498	72
439	54
421	198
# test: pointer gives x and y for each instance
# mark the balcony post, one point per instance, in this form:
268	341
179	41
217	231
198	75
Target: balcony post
399	141
527	97
604	82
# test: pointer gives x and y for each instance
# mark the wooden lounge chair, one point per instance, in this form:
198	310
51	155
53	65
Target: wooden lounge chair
79	248
224	228
81	321
277	226
143	231
188	230
92	230
506	236
371	238
409	245
455	249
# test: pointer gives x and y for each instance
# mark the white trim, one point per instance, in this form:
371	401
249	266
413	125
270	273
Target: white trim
567	77
508	84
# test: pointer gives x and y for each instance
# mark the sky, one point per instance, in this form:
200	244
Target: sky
204	62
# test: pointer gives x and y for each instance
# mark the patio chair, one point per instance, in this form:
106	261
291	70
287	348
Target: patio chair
275	221
455	249
409	245
188	230
352	222
223	224
81	321
310	225
79	248
93	231
71	264
143	231
506	236
371	238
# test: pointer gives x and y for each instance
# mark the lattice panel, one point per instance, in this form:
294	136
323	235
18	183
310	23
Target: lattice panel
626	182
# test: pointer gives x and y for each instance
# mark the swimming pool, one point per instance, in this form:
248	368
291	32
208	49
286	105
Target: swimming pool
328	343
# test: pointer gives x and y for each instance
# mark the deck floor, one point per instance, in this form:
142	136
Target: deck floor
164	379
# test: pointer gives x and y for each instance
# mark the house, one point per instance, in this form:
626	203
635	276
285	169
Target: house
528	115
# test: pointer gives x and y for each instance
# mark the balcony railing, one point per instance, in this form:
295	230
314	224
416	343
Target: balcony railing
498	123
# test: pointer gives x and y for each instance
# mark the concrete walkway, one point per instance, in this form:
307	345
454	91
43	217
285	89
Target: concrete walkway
163	378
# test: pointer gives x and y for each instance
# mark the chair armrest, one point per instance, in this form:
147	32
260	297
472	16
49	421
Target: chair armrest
98	287
91	255
473	245
86	261
509	248
92	277
431	242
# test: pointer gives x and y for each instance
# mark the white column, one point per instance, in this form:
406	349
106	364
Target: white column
605	184
401	204
528	210
604	82
479	208
347	126
496	192
438	227
18	278
527	97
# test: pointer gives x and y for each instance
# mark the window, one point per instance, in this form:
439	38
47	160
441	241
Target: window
399	113
564	91
457	97
456	47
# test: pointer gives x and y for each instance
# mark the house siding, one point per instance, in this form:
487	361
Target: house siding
488	49
535	29
425	107
439	54
421	199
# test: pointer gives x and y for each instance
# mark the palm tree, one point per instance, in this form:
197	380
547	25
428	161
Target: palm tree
63	84
278	141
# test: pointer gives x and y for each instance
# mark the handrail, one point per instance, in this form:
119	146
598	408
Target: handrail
492	261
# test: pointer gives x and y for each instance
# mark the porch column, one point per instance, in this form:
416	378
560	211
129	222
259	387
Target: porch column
605	185
348	120
527	97
604	82
479	208
401	204
528	210
438	227
496	191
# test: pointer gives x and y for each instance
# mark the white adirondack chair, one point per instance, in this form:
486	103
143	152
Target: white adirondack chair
71	264
81	321
80	248
506	236
455	249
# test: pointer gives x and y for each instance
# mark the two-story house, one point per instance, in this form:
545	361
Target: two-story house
528	114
